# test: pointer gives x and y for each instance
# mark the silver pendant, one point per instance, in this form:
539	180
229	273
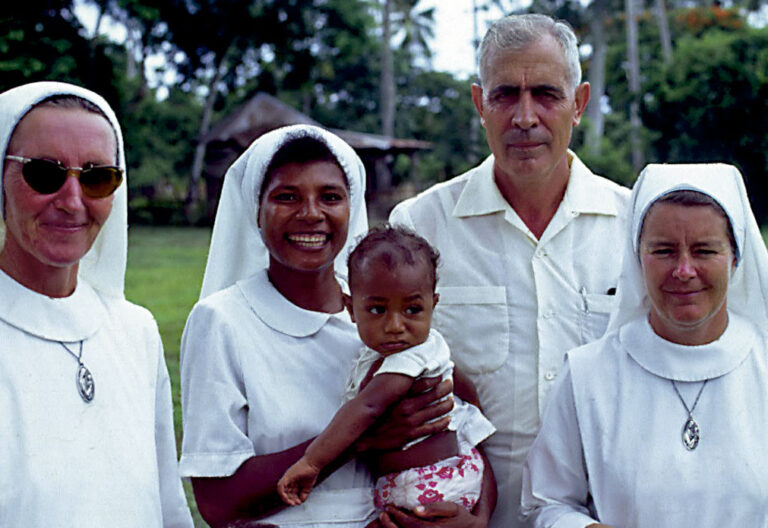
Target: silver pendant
691	434
85	385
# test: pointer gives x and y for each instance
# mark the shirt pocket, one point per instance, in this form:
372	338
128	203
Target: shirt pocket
474	321
594	317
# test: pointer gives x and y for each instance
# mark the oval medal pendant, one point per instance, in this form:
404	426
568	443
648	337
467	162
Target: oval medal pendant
691	434
85	385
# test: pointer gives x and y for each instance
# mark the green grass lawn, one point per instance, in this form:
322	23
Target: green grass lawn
165	271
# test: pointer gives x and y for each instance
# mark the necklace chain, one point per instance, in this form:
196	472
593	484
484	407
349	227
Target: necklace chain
79	356
695	402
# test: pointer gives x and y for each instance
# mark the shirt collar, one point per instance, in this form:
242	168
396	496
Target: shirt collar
688	363
583	195
276	311
480	196
66	319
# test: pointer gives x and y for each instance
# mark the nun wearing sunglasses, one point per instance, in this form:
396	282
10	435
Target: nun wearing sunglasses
87	422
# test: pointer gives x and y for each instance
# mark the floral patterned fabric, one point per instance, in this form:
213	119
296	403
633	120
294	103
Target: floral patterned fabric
457	479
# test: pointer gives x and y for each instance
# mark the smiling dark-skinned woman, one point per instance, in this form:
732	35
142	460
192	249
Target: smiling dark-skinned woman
85	396
662	422
267	351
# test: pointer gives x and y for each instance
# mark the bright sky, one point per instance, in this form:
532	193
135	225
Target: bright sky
452	47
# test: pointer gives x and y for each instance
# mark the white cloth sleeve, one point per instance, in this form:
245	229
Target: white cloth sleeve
472	427
555	487
431	358
400	216
173	502
214	401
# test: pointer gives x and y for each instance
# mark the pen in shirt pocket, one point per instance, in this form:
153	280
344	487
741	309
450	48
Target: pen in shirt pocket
583	292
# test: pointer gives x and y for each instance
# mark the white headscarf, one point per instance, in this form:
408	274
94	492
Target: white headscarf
748	287
237	249
103	267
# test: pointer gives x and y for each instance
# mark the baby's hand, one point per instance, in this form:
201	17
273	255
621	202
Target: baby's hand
296	483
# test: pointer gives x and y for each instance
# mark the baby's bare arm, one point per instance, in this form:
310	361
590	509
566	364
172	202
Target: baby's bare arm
345	428
356	416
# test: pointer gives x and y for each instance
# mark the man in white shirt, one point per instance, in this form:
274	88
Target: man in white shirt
528	239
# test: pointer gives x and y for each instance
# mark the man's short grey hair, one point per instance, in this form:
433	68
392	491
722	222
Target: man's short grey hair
517	32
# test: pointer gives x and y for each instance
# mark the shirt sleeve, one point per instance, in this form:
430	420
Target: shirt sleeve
431	358
555	487
214	402
173	502
400	216
472	426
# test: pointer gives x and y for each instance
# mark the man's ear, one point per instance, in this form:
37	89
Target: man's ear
477	98
347	300
435	298
581	98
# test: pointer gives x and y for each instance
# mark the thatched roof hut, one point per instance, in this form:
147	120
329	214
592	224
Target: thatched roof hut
263	112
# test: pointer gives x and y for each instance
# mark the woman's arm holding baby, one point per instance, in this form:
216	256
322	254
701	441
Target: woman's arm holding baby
251	492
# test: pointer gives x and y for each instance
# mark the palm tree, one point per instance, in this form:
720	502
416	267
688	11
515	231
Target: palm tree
401	21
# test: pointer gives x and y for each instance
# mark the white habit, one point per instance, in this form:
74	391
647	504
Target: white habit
259	375
65	462
611	441
611	447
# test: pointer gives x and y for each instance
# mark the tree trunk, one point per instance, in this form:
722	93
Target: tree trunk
387	75
633	74
193	194
93	42
664	34
596	83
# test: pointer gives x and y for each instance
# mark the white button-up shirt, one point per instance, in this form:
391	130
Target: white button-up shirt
511	305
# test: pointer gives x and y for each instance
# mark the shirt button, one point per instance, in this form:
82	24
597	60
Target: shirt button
549	376
541	253
549	314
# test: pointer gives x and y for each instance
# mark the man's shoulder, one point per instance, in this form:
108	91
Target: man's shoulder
451	187
441	196
599	192
609	186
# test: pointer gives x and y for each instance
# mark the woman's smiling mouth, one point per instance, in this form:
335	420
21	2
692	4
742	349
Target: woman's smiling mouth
309	240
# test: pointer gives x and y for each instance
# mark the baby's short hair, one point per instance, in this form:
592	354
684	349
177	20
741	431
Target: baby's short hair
392	245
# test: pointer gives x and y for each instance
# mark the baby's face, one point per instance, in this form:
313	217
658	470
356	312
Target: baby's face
392	308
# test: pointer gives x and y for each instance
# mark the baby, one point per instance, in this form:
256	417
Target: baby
392	279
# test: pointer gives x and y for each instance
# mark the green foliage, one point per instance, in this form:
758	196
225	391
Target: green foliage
436	107
613	161
43	40
161	135
709	105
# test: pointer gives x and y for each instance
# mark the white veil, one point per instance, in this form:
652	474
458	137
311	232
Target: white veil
237	249
103	267
748	288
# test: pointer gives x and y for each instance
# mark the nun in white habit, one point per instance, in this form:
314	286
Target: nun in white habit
268	349
662	422
87	436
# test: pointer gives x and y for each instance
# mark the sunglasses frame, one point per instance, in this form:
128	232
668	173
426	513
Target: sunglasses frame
78	172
